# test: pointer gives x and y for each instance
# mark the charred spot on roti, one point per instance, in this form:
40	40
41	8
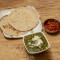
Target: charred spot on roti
4	27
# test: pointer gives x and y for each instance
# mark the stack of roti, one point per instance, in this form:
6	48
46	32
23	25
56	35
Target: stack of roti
19	21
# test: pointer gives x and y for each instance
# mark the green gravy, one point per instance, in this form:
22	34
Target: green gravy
30	48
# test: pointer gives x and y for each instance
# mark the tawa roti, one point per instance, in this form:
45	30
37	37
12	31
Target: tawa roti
23	18
7	29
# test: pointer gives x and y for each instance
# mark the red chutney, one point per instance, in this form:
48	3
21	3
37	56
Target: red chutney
52	25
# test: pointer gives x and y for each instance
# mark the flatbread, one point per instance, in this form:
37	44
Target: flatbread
7	29
23	18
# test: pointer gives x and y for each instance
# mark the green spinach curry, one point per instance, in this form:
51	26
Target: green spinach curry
36	42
